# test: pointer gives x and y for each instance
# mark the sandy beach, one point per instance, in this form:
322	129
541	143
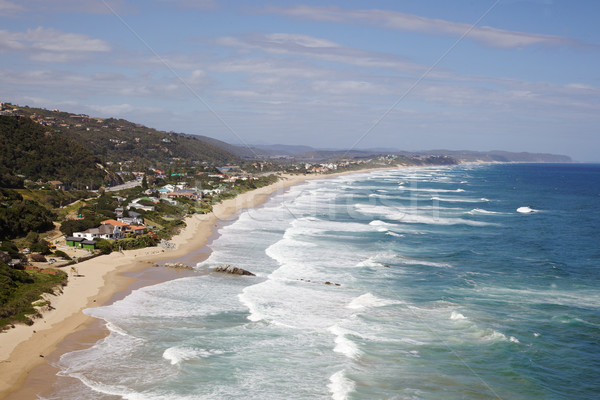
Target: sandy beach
24	348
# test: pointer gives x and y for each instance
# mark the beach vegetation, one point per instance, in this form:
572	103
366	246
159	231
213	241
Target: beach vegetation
62	254
20	289
105	246
138	242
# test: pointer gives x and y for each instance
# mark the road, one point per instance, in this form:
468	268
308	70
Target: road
126	185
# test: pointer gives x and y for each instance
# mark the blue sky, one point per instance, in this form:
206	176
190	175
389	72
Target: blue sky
511	75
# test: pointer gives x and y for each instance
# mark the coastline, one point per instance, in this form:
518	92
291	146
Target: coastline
24	349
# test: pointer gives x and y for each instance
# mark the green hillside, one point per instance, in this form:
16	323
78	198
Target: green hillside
118	140
35	152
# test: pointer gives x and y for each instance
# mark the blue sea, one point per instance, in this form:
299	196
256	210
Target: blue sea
475	281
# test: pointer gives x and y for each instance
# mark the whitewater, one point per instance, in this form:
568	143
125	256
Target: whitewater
461	282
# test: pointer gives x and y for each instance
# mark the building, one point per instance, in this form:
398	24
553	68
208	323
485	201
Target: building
137	229
80	242
106	231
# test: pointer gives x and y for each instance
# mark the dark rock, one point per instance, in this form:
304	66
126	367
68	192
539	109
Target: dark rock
230	269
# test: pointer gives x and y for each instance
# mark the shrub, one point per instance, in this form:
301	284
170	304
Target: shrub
41	246
38	258
62	254
104	246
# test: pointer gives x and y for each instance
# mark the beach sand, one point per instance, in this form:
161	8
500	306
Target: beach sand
103	279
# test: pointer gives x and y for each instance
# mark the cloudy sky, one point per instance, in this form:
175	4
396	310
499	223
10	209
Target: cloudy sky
517	75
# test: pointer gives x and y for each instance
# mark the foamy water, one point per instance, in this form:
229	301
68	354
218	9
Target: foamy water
411	284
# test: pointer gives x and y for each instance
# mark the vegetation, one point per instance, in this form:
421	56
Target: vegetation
38	153
62	254
37	244
18	217
10	248
19	289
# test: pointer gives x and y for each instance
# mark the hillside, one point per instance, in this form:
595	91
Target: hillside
35	152
118	140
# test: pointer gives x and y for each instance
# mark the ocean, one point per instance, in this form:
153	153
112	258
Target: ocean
477	281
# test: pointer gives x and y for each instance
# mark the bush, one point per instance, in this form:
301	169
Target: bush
62	254
104	246
38	258
76	225
10	248
19	289
41	246
138	242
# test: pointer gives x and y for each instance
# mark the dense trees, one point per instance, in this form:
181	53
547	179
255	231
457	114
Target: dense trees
19	217
30	150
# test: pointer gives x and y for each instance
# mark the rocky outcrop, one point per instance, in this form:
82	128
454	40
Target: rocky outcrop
230	269
178	266
326	283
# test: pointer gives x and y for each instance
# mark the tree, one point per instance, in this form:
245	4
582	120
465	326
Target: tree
144	183
104	246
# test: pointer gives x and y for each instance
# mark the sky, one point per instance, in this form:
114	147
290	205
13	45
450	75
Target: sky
515	75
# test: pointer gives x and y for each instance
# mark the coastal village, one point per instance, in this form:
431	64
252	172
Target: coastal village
149	200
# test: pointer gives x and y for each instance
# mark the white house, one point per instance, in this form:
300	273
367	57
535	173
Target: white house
102	232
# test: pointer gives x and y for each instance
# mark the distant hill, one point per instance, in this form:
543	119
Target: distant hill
120	140
37	153
311	154
500	156
285	150
246	152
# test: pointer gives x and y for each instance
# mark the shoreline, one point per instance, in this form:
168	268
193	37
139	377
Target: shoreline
26	351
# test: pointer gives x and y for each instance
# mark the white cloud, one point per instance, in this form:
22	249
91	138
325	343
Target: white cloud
8	7
50	45
486	35
286	39
122	109
77	6
318	49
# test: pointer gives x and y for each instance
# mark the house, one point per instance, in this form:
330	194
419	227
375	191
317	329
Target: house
80	242
168	200
73	241
88	244
187	193
119	227
137	220
137	229
136	215
105	231
167	189
58	185
135	204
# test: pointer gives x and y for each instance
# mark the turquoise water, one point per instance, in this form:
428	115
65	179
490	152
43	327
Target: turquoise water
439	289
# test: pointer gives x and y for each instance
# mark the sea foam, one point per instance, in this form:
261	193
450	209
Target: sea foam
526	210
368	300
343	345
177	355
340	386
